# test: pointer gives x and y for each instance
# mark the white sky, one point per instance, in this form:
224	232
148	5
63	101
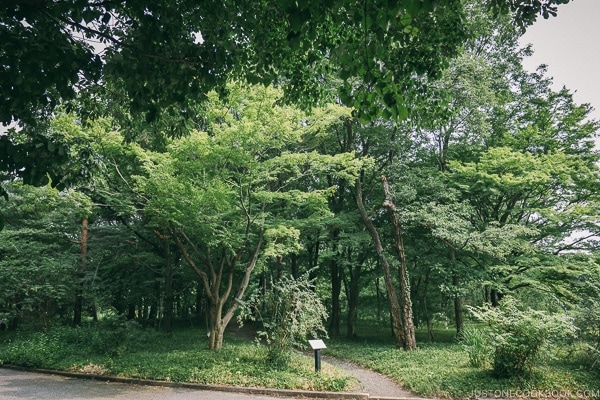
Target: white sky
570	45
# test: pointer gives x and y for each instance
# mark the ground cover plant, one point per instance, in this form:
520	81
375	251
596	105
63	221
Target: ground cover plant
179	357
443	369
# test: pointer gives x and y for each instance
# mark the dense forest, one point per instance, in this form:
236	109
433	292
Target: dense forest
413	169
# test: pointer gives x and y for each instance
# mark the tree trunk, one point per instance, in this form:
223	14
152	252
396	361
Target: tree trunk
78	305
167	323
352	293
426	307
218	320
458	307
395	311
407	318
217	327
336	289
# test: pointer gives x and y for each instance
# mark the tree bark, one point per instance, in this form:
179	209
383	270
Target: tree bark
396	313
218	291
458	307
407	318
336	290
352	293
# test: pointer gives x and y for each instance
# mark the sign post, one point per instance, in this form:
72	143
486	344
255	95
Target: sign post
317	345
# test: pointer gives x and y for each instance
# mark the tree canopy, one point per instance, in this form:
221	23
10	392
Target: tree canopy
172	53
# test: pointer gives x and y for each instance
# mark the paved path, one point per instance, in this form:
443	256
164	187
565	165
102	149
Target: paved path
22	385
373	383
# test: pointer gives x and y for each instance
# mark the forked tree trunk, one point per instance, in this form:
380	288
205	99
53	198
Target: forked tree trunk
218	285
217	326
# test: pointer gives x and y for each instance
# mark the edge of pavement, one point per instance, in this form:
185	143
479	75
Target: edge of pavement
308	394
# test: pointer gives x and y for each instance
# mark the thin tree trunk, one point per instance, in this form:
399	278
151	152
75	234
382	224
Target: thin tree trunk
352	292
167	323
78	305
458	307
336	289
426	307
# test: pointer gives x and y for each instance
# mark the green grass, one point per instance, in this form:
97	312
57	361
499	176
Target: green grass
439	369
182	356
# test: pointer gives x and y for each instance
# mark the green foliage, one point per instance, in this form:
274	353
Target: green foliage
518	335
166	56
48	349
289	313
475	341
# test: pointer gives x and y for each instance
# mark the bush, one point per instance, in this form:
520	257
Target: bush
518	336
289	313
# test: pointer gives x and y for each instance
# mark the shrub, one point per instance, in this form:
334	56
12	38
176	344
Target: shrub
517	335
289	313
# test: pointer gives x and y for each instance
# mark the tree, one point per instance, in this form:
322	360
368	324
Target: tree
228	196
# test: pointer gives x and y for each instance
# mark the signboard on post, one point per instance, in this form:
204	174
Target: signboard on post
317	345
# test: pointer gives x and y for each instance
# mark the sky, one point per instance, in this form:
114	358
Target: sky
569	44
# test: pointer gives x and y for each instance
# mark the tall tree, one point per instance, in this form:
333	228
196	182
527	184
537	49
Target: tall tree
228	196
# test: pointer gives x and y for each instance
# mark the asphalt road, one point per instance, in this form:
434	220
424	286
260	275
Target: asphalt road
30	385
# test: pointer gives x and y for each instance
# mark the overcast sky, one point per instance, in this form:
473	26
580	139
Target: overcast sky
570	45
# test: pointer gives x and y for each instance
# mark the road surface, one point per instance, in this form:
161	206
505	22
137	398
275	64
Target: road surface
23	385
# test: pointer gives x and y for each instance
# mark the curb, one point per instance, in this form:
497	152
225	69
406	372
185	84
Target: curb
305	394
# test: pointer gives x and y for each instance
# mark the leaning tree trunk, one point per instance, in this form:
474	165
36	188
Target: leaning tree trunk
395	311
407	318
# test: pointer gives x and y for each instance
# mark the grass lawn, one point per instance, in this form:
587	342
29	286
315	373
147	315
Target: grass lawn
438	369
